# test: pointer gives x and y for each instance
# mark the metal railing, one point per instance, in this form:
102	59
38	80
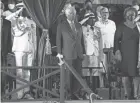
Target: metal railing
53	70
45	78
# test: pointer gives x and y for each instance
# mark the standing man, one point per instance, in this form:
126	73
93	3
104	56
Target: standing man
107	31
70	47
6	44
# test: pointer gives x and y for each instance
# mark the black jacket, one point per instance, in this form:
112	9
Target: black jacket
70	43
6	40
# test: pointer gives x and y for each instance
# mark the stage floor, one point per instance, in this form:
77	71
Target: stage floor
80	101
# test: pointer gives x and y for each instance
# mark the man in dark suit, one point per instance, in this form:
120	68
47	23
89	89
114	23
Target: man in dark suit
70	46
6	43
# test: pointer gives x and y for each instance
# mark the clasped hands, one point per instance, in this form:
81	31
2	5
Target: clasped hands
118	56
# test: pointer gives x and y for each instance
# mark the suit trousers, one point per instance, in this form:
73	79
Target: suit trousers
72	84
3	76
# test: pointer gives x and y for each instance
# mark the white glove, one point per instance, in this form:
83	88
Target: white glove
60	56
14	14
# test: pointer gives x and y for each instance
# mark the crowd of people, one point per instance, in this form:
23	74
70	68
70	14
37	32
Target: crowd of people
81	43
81	37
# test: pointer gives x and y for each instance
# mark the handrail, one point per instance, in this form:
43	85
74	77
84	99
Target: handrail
42	67
35	85
31	83
92	67
30	67
79	78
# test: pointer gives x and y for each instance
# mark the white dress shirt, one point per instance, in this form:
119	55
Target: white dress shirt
107	32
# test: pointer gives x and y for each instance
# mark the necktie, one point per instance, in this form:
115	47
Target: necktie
73	27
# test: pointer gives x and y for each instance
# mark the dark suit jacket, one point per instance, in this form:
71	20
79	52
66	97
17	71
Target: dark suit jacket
70	43
6	40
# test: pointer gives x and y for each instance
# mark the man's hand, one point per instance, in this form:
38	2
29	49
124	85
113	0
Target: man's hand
118	56
84	54
60	56
138	66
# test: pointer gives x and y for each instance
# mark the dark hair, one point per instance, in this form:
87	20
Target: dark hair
24	13
87	6
12	1
77	6
130	9
135	2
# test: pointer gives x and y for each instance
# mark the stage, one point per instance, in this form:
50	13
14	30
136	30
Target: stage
79	101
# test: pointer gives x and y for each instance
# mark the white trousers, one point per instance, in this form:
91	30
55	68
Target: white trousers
23	59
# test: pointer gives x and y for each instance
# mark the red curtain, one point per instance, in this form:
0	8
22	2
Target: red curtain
44	13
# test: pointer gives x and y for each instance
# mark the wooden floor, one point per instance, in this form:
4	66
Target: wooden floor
80	101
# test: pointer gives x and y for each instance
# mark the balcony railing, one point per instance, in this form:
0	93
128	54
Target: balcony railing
44	86
43	83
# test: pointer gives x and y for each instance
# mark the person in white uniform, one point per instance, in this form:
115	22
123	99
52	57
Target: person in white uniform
24	47
91	40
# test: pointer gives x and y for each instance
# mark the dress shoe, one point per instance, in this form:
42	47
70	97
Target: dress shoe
85	96
126	97
76	96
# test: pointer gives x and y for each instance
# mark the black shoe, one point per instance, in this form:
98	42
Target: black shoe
68	97
136	98
27	95
85	96
76	96
126	97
